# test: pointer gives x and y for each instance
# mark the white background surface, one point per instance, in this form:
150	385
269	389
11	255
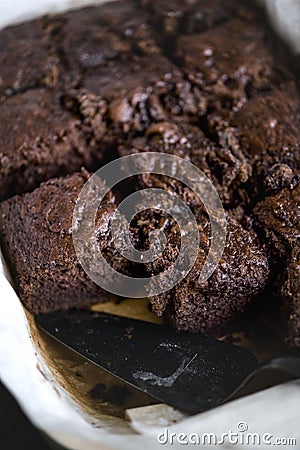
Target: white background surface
275	411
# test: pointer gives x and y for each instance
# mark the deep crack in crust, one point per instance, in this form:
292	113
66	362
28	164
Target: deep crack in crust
204	81
36	237
227	168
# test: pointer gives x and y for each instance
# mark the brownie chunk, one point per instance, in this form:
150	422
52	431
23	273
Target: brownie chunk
213	306
289	297
39	140
230	62
228	169
36	237
27	58
278	220
266	131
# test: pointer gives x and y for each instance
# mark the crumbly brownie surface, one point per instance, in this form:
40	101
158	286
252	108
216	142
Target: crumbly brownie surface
228	169
36	236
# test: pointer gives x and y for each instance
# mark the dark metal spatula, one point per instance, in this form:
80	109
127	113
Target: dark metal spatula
190	372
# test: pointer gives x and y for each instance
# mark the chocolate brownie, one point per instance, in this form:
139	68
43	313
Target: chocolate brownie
36	237
120	72
230	63
116	34
40	140
266	131
289	299
27	58
278	221
228	169
139	85
278	217
128	97
205	81
213	306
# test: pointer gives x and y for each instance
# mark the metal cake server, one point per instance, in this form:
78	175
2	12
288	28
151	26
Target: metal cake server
188	371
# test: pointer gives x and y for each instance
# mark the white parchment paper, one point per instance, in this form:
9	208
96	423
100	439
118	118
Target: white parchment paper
25	373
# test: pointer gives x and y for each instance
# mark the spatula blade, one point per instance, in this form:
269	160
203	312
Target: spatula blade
190	372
